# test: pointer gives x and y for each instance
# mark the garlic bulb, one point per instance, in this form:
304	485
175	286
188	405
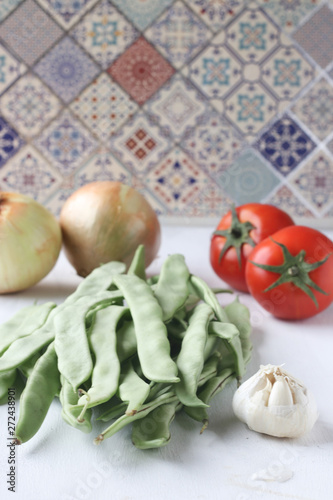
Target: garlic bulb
274	402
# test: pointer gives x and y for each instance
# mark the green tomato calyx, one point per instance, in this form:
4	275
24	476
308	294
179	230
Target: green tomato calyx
236	235
295	270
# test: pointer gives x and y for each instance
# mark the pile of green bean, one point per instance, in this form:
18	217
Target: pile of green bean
131	349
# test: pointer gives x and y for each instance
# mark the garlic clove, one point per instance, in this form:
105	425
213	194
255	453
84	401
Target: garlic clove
273	402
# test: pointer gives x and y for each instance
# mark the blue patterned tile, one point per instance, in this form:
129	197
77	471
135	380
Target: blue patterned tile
102	166
288	14
285	145
248	179
104	33
216	14
178	34
67	69
10	69
6	6
67	12
66	144
288	201
142	13
10	142
29	31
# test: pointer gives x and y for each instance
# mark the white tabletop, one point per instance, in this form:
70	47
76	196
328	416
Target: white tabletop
61	463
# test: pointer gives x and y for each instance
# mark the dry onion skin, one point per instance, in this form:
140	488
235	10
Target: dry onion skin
104	221
30	239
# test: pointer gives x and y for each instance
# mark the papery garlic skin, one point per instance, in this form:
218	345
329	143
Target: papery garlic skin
273	402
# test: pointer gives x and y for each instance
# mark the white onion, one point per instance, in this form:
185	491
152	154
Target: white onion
30	239
104	221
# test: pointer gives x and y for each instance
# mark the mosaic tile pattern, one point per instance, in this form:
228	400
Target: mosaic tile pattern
195	103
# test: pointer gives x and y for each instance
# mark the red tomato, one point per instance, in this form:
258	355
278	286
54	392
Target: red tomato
243	228
290	299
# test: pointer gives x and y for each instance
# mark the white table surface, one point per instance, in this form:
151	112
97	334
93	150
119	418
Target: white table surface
61	463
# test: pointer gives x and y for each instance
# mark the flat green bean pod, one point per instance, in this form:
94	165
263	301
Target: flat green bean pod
28	365
132	389
190	360
106	370
153	431
37	396
126	341
71	341
137	266
70	411
24	323
239	315
229	332
6	381
172	286
114	408
202	290
121	422
151	333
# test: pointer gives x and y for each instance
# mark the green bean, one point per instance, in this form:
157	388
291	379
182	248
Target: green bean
206	294
172	289
23	348
114	408
239	315
98	280
124	420
6	381
37	396
28	365
70	411
132	389
71	342
126	341
106	371
153	431
23	323
138	267
190	360
212	387
210	368
151	333
230	333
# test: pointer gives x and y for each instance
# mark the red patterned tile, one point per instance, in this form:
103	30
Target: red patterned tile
141	70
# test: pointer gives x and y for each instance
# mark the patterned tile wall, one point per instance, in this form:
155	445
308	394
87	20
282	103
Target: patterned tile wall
196	103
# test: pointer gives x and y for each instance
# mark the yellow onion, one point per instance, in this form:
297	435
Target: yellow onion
104	221
30	239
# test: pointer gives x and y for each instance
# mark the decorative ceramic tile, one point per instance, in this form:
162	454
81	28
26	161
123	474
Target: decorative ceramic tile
29	105
213	145
155	203
142	12
10	69
330	146
29	31
141	70
67	12
285	145
287	72
102	166
288	13
316	36
7	6
177	108
139	144
178	34
177	181
314	181
211	201
216	70
250	108
10	142
315	108
252	35
104	33
216	14
103	107
248	179
66	144
28	173
285	199
66	69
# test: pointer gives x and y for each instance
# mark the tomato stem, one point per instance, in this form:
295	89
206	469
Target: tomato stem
295	270
236	235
